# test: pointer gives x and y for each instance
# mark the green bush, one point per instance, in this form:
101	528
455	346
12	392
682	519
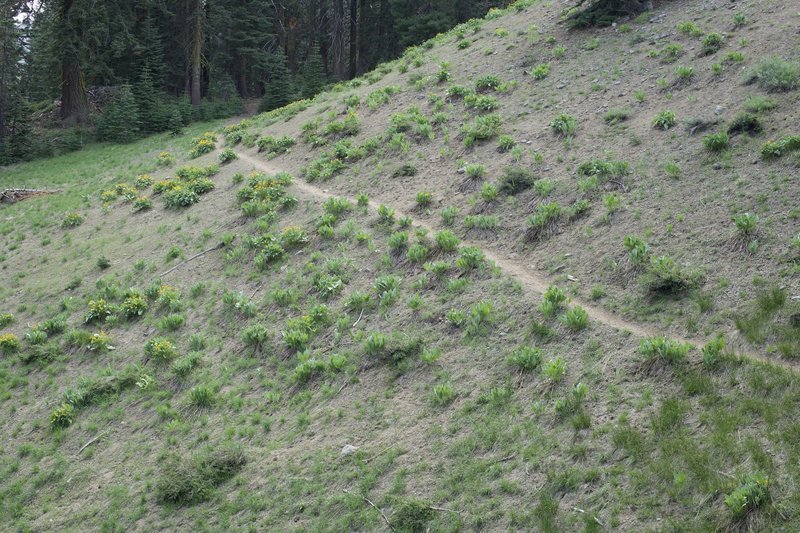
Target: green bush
751	493
190	480
664	120
564	125
554	369
662	348
775	149
525	358
615	116
716	142
505	143
481	128
664	276
488	83
120	119
774	74
446	241
227	155
515	180
9	343
470	258
480	318
543	221
160	349
71	220
202	396
711	44
424	199
62	416
134	305
638	250
746	224
553	299
576	318
745	123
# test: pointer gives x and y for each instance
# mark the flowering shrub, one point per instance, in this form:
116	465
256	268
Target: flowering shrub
160	349
227	155
142	203
134	305
165	159
126	191
202	145
100	342
63	416
165	185
180	196
99	310
9	343
108	196
72	220
143	181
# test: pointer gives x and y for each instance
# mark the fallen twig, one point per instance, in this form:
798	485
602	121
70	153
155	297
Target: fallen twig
599	523
374	507
442	509
195	256
91	441
359	318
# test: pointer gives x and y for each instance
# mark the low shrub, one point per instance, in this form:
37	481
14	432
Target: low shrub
662	348
515	180
745	123
774	74
751	493
564	125
525	358
160	349
9	343
190	480
665	276
716	142
71	220
664	120
227	155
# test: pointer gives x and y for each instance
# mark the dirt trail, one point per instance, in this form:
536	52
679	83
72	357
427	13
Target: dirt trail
523	273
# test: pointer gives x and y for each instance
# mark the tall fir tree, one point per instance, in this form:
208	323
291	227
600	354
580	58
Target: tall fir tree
279	90
152	110
120	120
313	75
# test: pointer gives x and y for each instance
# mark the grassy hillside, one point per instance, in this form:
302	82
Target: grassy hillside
523	278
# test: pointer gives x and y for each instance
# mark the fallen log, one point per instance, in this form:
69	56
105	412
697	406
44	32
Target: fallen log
10	196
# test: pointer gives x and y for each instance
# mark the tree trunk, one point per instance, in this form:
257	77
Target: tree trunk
337	39
74	105
196	52
242	77
353	38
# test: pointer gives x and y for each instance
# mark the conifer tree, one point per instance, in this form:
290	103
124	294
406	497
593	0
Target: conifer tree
279	90
152	111
120	120
313	74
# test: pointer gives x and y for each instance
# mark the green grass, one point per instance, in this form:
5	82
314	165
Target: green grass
474	402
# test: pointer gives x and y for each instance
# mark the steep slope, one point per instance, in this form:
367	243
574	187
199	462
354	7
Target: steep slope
263	338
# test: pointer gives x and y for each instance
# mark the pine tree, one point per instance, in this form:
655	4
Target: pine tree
151	109
120	120
313	75
175	124
279	87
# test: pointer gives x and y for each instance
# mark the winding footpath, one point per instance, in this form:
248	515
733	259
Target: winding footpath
530	280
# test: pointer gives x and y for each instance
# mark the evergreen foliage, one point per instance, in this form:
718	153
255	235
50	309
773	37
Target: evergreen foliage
120	120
